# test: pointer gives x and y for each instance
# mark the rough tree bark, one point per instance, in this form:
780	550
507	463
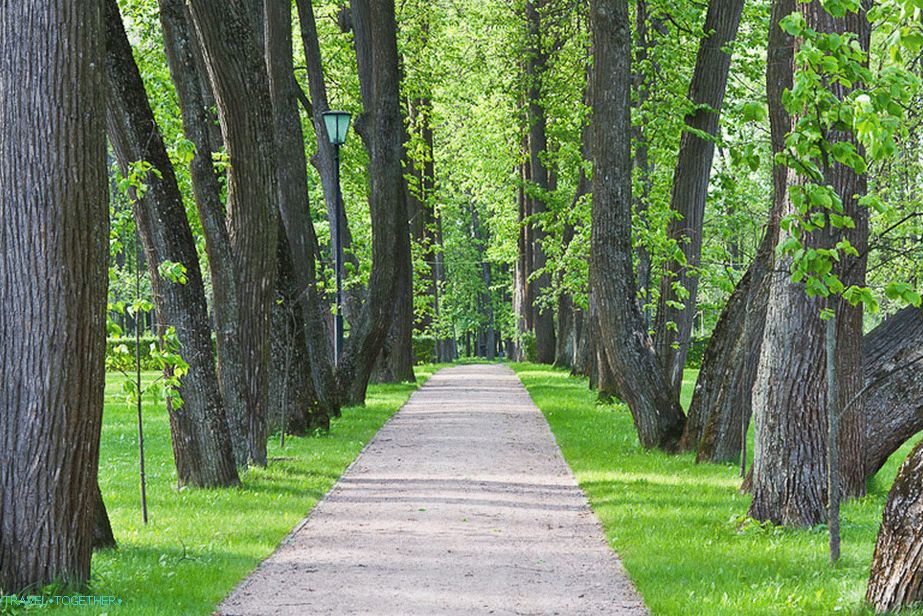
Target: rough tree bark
894	396
183	58
292	400
201	440
238	77
789	395
395	362
381	128
640	383
722	399
645	27
53	272
536	65
293	199
896	579
690	188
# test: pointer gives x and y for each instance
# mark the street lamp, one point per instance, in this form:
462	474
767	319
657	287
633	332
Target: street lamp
337	124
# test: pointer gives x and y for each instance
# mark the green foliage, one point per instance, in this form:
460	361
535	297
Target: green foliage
835	91
680	527
121	350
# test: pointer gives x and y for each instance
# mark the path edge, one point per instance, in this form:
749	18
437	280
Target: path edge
619	563
243	584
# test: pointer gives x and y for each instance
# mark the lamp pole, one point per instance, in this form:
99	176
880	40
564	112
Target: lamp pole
338	256
337	125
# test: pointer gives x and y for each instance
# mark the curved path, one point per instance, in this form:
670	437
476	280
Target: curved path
461	504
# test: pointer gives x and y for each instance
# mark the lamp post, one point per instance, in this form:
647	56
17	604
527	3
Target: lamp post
337	124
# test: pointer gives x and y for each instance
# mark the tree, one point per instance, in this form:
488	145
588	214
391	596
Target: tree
381	129
201	439
293	199
238	77
53	272
895	581
639	380
186	70
722	400
323	159
893	393
679	283
539	184
790	393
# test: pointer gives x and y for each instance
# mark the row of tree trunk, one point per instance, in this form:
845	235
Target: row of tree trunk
768	351
58	58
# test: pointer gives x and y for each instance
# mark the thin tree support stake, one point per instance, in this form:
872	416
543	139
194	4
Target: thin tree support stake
833	451
138	389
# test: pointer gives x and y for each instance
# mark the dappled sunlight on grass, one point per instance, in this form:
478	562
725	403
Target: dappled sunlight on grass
680	527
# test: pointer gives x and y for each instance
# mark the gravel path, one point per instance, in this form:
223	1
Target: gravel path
461	504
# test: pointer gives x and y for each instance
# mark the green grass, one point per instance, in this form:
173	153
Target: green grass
200	543
678	526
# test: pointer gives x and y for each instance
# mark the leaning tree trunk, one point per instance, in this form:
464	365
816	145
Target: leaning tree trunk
201	440
722	400
896	580
381	128
183	58
238	77
639	377
715	388
789	396
690	188
893	398
293	198
53	276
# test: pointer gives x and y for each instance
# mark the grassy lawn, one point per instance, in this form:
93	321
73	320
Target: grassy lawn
200	543
680	527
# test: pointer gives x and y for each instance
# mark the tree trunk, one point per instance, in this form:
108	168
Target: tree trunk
293	199
183	58
241	87
896	579
201	440
481	236
722	400
714	388
381	128
292	401
53	272
542	316
323	161
639	378
581	351
564	340
690	188
893	399
395	362
789	396
103	539
643	83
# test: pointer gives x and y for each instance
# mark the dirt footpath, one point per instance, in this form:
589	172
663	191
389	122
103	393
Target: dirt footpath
462	504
